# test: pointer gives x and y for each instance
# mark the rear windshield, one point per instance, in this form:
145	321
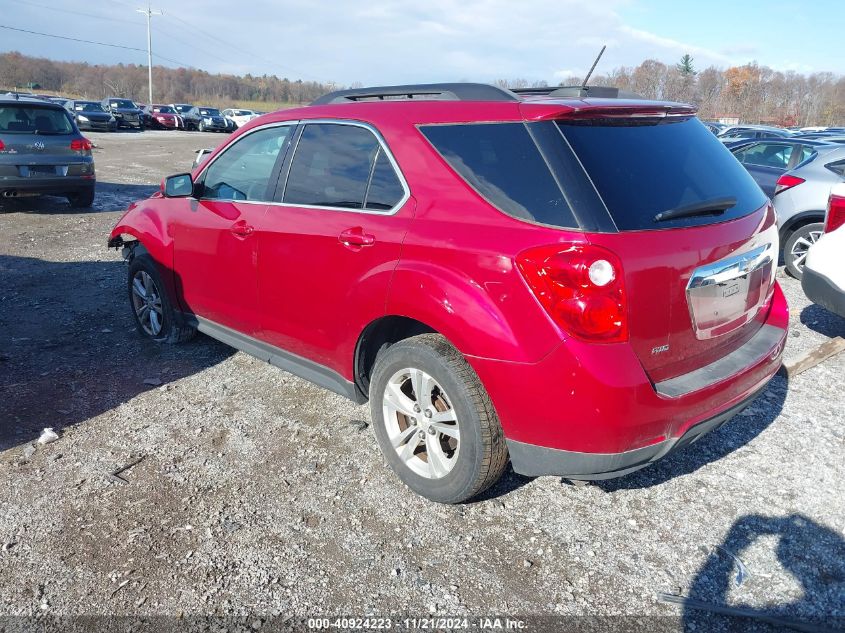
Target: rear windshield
34	120
645	167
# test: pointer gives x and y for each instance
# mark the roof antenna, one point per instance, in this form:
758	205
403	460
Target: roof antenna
592	68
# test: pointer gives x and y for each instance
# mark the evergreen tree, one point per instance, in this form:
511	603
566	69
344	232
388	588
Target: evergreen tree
685	66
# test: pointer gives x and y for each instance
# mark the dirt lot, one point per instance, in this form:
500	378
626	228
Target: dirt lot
260	494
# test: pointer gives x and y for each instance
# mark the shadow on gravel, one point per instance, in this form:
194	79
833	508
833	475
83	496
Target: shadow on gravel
736	433
69	350
813	554
110	197
823	321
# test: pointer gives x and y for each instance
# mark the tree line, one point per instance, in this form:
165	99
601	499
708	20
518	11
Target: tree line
170	85
750	93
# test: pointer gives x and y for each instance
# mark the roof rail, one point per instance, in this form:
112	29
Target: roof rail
438	92
605	92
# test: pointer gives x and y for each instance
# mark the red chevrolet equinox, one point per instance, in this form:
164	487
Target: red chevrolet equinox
581	285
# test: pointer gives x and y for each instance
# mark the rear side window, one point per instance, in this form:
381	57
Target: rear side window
34	120
642	167
503	164
766	155
837	168
343	166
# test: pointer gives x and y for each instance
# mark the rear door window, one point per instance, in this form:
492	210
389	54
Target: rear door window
766	155
642	167
342	166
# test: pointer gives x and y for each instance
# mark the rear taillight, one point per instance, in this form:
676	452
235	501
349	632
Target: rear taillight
81	145
2	146
787	182
581	287
835	216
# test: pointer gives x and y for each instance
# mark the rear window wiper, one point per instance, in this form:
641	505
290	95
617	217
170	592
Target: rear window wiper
714	206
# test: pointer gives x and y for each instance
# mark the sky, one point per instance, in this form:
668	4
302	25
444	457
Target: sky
402	41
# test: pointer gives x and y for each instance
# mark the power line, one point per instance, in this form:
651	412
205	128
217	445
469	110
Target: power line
87	15
76	39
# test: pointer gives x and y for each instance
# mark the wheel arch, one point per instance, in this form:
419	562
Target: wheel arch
378	335
797	221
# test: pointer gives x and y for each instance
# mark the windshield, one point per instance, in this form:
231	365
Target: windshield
242	113
122	103
183	107
88	106
209	112
34	120
163	109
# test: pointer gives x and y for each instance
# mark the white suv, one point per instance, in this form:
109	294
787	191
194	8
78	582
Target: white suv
824	271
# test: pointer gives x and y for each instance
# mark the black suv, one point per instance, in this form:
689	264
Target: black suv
125	112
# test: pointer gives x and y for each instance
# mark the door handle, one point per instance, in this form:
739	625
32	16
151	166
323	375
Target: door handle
356	237
242	229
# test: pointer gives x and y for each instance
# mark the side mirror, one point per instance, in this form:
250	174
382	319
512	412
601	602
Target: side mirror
178	186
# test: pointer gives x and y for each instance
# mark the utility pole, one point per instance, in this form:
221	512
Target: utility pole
149	13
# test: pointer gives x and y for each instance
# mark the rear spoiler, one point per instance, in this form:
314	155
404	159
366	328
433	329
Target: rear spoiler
542	110
577	92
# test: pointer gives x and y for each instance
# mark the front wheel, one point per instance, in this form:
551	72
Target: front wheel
798	244
434	421
201	126
154	315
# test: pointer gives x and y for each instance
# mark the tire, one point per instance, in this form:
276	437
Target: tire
796	245
82	199
471	455
155	319
201	126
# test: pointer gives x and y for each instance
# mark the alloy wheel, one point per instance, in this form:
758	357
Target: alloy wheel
421	423
802	246
146	301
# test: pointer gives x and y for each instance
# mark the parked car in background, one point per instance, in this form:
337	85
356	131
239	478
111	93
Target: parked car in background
578	315
210	120
127	113
162	117
90	115
714	126
800	200
189	113
752	132
767	160
823	280
43	152
238	116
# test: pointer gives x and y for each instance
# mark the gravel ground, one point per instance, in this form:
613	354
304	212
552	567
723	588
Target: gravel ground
260	494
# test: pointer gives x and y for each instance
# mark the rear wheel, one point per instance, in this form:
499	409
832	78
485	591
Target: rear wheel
434	421
154	315
82	199
796	247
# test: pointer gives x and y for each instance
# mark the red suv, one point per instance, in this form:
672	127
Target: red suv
580	284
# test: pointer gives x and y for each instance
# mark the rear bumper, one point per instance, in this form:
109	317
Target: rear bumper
534	461
821	290
47	185
590	411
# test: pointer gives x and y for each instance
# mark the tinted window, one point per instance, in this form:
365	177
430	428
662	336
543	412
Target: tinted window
385	190
502	163
332	166
644	167
34	120
243	171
